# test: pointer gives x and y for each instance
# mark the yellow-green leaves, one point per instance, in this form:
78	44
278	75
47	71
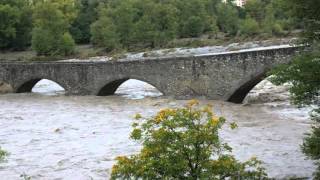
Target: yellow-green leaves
136	134
180	143
192	103
233	125
137	116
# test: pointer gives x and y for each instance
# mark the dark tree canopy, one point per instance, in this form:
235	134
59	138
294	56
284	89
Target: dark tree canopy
136	24
16	24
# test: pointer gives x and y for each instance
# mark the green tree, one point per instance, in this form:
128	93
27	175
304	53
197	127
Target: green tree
50	35
228	19
304	75
307	12
104	34
256	9
193	27
156	26
137	23
166	24
193	17
10	17
16	24
80	28
249	27
269	20
183	143
304	72
282	14
124	17
67	44
67	7
214	29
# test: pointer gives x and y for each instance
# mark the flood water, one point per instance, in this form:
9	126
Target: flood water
52	136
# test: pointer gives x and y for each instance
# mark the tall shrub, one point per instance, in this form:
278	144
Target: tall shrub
183	143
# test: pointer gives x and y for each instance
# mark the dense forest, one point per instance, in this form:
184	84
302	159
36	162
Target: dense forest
54	27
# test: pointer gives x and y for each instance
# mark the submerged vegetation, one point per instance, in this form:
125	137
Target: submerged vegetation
3	154
53	28
184	143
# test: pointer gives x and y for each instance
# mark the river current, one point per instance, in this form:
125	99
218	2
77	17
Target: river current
53	136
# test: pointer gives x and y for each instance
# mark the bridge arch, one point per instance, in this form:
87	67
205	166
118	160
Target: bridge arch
112	86
240	93
26	86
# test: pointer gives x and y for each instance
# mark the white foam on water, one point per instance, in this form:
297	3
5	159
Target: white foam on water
48	87
65	137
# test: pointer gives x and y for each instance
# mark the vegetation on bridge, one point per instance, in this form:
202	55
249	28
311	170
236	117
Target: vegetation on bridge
54	27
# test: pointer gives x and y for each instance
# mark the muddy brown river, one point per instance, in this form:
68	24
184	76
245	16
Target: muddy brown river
52	136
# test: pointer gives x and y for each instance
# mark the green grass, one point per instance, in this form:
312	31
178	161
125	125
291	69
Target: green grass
17	55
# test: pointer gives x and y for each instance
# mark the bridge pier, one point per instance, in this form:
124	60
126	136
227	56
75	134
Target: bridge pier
5	88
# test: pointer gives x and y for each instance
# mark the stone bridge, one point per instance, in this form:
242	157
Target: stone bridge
226	76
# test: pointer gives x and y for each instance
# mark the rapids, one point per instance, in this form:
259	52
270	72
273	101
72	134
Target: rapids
53	136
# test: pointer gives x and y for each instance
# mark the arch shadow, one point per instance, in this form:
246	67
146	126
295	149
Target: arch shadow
240	94
27	86
111	87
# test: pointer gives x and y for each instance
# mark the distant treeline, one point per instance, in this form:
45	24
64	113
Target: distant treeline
53	27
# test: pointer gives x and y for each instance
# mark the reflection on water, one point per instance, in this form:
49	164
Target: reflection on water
73	137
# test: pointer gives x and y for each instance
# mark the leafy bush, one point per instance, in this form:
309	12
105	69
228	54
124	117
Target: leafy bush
16	24
228	18
193	27
249	27
9	18
104	34
50	35
67	45
277	29
80	28
183	143
132	23
43	42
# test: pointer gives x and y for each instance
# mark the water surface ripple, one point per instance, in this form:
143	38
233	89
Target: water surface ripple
52	136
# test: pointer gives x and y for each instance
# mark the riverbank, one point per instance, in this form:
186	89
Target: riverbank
176	48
